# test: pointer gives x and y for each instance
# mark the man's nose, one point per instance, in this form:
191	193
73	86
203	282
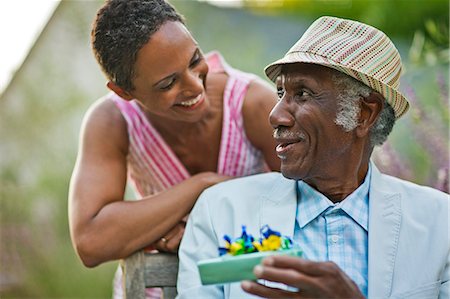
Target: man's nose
281	116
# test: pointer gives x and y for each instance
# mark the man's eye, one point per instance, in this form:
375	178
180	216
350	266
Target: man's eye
302	95
280	92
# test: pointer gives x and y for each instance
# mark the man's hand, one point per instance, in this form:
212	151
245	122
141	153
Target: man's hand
312	279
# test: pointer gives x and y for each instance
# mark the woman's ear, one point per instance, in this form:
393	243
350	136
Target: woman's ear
371	107
119	91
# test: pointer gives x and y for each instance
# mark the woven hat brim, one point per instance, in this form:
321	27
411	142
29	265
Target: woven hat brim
394	97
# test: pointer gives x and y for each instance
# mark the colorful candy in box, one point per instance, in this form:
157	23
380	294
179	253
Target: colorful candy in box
239	257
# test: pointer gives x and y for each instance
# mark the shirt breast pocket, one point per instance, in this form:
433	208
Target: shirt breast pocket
427	291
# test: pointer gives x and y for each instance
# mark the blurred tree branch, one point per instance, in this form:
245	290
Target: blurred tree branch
430	46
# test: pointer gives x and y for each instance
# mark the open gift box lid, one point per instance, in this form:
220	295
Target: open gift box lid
228	268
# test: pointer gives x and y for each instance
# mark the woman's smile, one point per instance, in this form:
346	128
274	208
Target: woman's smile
192	103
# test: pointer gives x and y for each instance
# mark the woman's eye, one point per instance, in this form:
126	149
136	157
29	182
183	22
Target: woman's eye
197	59
167	85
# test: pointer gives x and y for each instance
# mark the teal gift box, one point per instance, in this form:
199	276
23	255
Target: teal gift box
228	268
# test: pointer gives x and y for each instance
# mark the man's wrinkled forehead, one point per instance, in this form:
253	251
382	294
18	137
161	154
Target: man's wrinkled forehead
303	71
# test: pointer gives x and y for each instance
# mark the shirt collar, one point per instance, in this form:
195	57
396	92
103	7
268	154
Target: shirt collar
356	205
312	203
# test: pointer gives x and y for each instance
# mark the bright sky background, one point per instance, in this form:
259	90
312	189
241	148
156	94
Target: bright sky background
21	21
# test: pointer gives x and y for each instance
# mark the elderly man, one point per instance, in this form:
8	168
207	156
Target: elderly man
363	233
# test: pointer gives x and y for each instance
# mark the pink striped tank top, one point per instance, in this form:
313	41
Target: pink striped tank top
153	166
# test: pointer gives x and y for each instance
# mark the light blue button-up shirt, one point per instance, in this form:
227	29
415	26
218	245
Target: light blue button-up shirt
335	232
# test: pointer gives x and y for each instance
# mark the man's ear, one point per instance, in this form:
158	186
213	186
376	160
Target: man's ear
371	107
119	91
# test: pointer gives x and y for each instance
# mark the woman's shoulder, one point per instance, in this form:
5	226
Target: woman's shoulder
103	118
104	110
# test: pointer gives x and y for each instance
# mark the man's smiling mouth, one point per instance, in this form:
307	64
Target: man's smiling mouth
286	140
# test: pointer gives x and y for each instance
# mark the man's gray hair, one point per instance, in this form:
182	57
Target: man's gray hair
350	92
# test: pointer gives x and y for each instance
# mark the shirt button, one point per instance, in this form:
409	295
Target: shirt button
334	238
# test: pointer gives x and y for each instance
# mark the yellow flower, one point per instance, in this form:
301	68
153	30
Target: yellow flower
273	242
235	248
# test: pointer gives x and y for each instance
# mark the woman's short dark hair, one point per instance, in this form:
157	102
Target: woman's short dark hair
121	29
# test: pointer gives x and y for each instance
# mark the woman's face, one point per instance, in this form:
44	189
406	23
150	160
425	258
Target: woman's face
170	73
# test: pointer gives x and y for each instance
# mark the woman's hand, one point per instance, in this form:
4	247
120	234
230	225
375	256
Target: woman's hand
171	241
209	179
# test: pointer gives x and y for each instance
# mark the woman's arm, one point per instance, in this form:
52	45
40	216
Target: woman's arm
103	226
258	103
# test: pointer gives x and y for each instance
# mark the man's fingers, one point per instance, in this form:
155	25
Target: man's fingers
289	262
284	275
266	292
313	279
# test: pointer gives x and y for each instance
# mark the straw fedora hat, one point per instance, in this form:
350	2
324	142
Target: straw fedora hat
354	48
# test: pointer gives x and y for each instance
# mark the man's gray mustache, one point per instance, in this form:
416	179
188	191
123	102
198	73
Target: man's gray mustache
286	134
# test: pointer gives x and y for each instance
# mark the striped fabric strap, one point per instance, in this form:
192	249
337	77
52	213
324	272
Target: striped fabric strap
235	156
148	150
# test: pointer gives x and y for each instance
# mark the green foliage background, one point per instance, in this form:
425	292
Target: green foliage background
397	18
41	112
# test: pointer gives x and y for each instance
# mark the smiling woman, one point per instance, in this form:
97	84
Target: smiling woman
176	122
20	40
